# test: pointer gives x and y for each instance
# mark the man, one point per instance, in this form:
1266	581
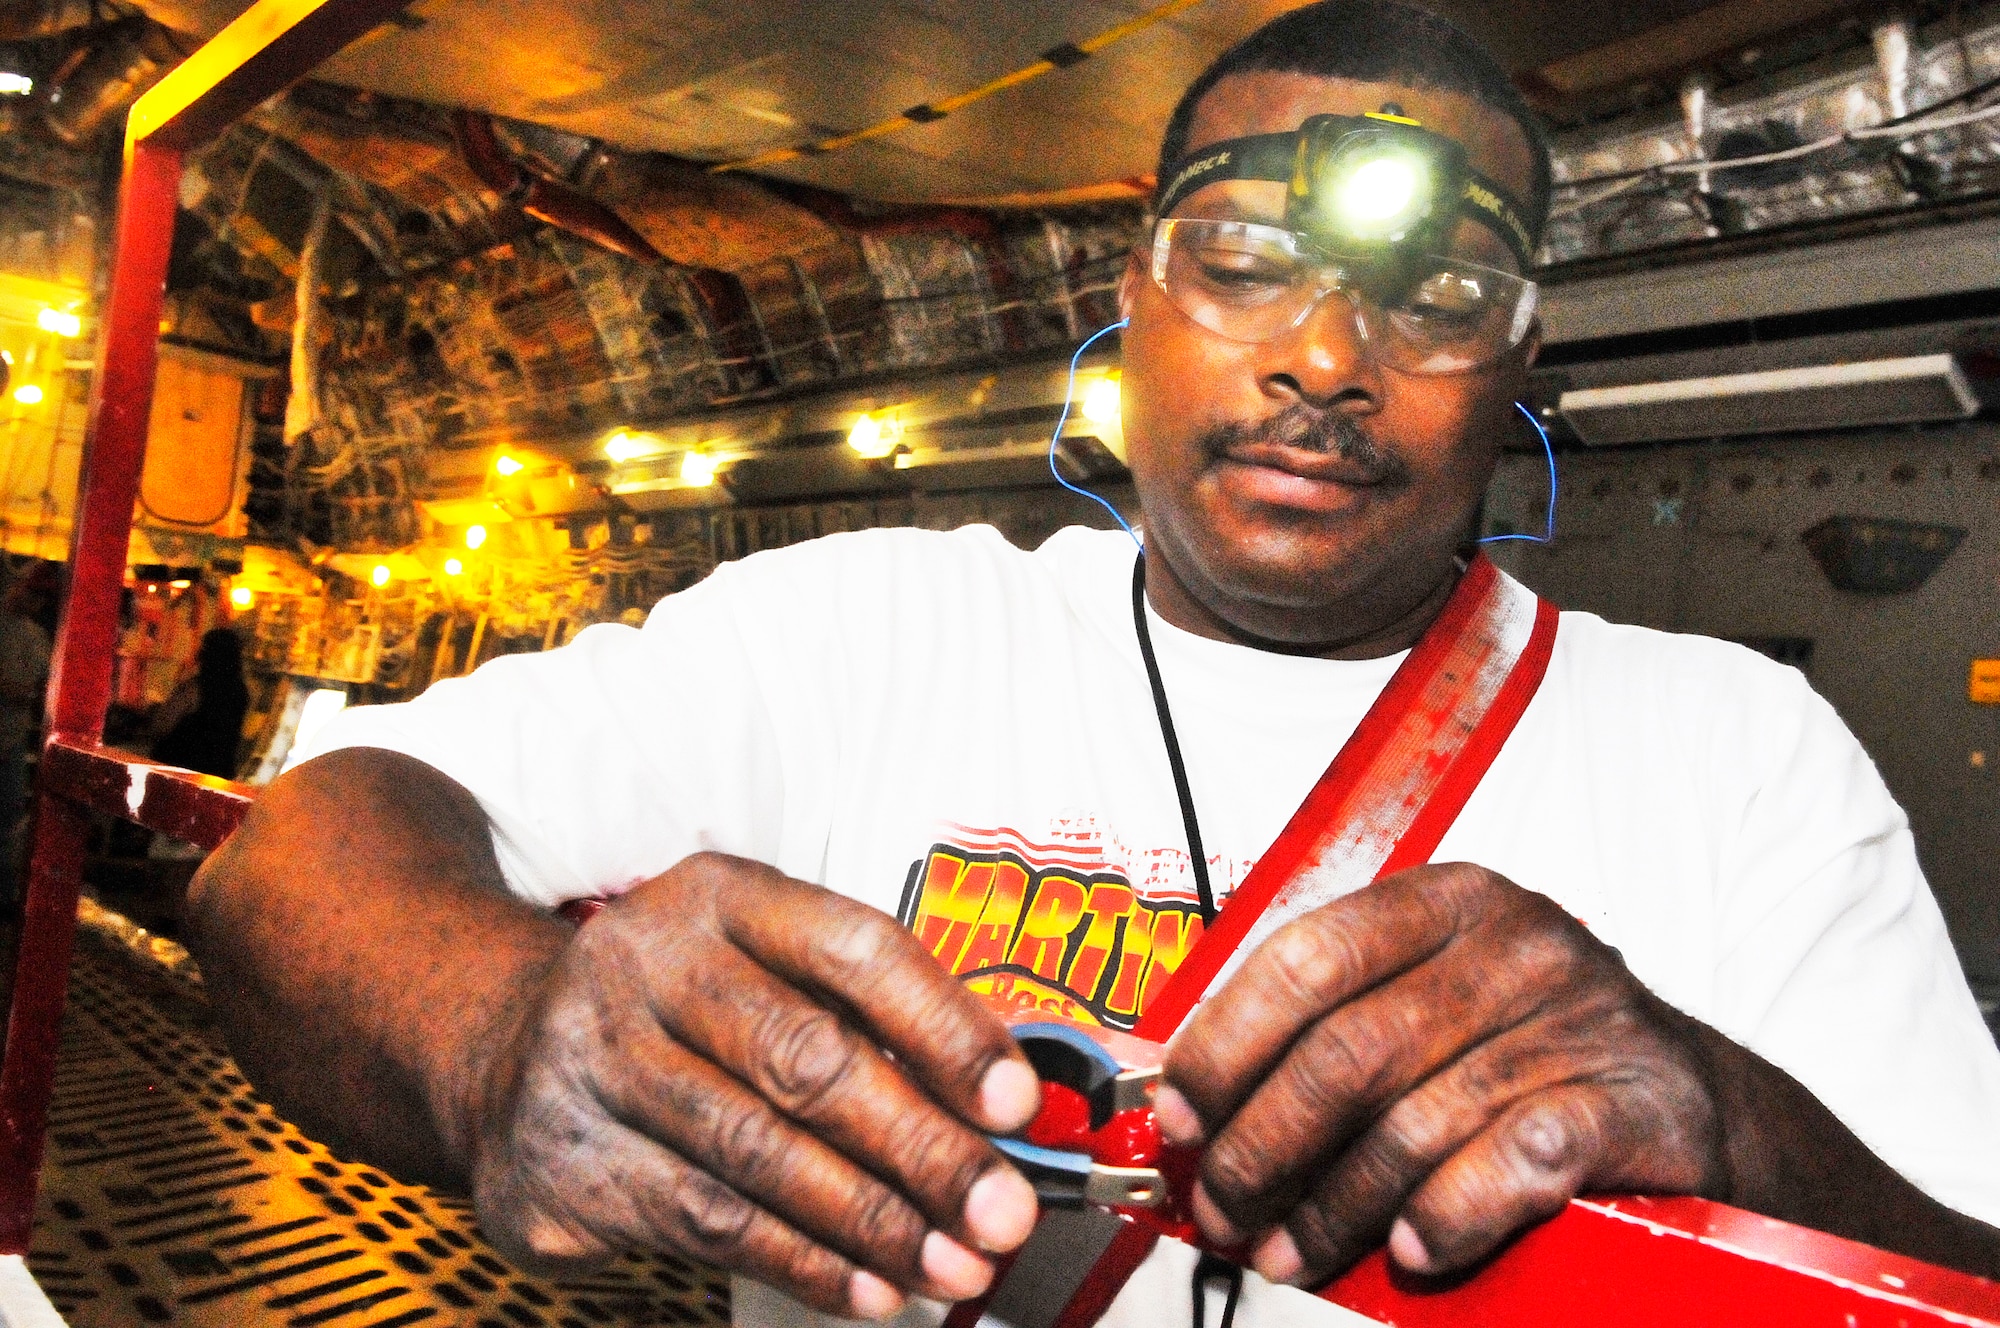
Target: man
745	1058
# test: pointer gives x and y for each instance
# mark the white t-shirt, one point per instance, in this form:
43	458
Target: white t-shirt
961	733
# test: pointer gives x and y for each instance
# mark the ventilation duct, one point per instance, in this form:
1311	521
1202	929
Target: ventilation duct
548	201
696	219
1908	390
130	57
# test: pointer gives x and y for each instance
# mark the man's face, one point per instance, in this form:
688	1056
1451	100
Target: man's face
1299	492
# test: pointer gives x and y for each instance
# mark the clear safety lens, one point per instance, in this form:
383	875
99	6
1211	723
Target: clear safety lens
1255	283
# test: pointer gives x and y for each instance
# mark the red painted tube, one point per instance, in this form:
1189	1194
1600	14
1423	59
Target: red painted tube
262	58
252	62
80	673
75	779
121	406
181	804
1678	1263
59	838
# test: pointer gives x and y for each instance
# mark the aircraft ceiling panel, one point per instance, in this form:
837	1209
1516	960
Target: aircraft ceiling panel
712	79
971	161
1134	83
899	172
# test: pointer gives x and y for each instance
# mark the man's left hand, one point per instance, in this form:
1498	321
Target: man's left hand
1440	1059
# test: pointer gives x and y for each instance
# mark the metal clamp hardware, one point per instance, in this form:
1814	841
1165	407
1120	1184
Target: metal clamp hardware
1067	1055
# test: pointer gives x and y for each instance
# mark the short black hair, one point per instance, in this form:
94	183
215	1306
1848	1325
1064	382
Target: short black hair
1373	41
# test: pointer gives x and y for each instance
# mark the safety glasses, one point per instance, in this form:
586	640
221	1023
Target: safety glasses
1254	283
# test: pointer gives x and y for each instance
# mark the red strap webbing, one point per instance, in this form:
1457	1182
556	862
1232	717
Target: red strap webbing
1384	804
1395	787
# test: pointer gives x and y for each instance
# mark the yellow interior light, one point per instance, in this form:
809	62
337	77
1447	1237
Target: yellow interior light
698	469
59	321
16	85
241	597
869	439
622	446
28	394
181	583
1101	403
505	465
475	536
380	576
453	566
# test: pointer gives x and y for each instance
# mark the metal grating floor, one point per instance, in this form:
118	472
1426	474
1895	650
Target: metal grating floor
173	1195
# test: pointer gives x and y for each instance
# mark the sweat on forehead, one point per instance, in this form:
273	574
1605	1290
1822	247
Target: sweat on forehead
1381	42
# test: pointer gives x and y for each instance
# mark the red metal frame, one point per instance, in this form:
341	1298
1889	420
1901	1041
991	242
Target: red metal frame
262	53
1629	1261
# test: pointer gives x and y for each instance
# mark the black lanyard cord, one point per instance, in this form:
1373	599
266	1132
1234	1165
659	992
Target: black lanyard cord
1186	794
1209	1269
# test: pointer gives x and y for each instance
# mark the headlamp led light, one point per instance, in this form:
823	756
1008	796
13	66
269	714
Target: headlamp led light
1376	186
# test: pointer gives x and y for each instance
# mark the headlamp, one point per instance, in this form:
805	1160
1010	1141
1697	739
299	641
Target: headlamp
1377	186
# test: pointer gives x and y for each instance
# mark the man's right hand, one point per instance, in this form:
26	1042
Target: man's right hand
761	1075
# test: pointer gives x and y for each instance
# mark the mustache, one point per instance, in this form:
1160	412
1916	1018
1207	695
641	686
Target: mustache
1311	430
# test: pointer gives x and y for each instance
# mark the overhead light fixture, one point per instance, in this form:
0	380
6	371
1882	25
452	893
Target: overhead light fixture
625	446
506	466
179	583
453	566
242	597
60	321
475	536
380	576
698	469
28	394
15	85
1102	404
1905	390
870	439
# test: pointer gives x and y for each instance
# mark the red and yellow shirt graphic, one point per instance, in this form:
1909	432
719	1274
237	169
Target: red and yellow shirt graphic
1057	927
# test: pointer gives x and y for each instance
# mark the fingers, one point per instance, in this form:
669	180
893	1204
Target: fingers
806	1183
1343	1071
1314	964
1539	1154
1444	1045
862	959
687	1098
1474	1178
644	1196
801	1060
1348	1209
679	1092
717	1065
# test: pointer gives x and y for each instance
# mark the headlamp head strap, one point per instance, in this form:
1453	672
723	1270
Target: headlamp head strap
1374	182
